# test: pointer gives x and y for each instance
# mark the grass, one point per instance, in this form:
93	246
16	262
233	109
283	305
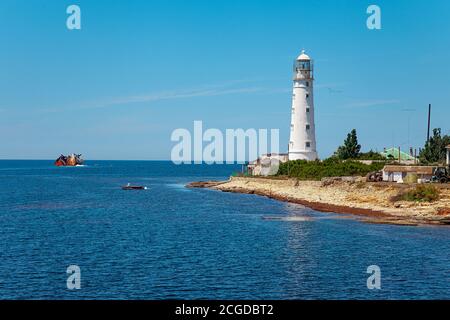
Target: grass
421	193
316	170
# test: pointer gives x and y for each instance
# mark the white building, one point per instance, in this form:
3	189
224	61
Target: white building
448	155
302	143
398	173
267	164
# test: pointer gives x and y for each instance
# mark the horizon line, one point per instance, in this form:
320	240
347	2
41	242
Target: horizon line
160	160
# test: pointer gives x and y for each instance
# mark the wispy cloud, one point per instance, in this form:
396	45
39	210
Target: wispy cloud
170	95
372	103
228	88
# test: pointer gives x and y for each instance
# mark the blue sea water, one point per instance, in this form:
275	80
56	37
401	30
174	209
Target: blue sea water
169	242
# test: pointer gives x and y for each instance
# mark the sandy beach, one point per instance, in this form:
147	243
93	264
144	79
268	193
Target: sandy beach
371	202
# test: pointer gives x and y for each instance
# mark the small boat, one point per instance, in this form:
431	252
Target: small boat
130	187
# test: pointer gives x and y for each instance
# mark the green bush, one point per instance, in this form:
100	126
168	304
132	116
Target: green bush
410	178
331	167
371	155
422	193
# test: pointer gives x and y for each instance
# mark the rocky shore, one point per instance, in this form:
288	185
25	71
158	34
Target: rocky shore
371	202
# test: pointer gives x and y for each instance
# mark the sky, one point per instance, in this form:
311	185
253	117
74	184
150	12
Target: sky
138	70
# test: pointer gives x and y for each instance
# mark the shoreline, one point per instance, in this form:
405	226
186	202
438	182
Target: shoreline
368	201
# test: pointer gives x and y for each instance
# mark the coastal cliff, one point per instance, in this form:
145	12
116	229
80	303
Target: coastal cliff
373	202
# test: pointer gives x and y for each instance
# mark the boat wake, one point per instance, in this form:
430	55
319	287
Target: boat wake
177	186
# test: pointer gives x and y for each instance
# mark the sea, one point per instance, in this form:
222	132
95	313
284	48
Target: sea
171	242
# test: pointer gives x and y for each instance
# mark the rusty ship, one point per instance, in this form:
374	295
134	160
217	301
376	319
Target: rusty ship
72	160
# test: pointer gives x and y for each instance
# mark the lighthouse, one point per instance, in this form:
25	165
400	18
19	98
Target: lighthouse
302	142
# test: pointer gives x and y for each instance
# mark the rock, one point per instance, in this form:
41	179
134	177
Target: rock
204	184
350	179
443	212
332	180
329	181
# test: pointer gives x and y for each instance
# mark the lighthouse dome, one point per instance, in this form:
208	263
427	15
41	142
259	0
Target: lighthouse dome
303	56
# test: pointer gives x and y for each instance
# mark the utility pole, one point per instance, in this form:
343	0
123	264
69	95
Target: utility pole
288	161
429	120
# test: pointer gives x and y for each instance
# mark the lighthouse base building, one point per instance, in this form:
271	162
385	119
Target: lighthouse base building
302	142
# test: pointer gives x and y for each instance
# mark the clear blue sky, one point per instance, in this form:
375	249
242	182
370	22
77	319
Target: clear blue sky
137	70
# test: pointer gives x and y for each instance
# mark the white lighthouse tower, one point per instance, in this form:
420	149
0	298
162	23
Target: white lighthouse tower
302	143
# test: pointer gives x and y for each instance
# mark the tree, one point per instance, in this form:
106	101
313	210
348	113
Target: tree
371	155
434	150
350	149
